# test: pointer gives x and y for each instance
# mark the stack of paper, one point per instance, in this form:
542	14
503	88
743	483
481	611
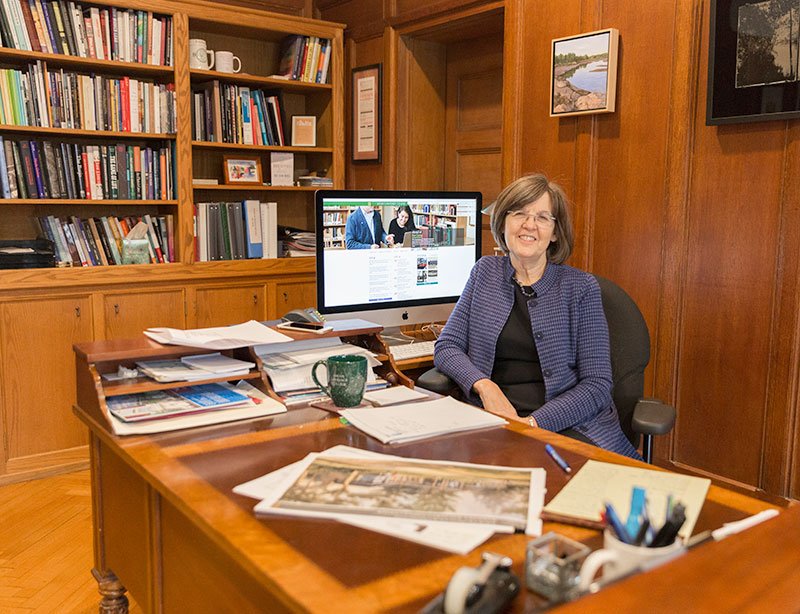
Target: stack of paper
256	405
193	368
159	404
412	421
289	365
415	519
219	338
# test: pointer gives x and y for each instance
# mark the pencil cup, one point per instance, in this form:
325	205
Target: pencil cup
617	558
553	564
200	57
347	378
226	60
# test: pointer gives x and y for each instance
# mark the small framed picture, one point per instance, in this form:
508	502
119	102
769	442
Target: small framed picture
304	131
242	170
583	76
367	113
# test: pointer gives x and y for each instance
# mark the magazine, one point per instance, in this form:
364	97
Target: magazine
406	488
156	404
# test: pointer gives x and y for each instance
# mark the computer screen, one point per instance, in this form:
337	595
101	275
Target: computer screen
394	257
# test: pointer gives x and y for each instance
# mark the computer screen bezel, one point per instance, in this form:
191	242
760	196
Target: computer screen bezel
322	195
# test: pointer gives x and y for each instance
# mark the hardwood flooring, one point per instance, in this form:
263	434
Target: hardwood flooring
46	547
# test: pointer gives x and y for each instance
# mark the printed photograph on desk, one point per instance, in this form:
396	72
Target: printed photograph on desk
241	170
413	489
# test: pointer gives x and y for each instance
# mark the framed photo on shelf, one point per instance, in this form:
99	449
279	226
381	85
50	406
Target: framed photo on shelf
753	61
583	73
367	112
304	131
241	170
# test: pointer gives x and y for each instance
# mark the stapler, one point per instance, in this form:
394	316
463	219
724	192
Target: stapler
486	589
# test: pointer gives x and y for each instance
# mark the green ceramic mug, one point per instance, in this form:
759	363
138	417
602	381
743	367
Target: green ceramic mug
347	378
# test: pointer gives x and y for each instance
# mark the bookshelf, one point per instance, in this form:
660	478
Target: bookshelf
44	311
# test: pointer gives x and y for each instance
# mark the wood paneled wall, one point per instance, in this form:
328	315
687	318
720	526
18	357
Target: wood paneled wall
700	224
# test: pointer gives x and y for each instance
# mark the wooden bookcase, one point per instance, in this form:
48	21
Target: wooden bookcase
44	311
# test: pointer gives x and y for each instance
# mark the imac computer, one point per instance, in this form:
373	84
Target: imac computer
414	276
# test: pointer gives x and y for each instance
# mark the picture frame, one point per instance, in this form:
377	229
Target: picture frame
304	131
367	112
242	170
753	61
583	73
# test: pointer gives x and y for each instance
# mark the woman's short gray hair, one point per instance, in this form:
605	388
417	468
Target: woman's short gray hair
524	191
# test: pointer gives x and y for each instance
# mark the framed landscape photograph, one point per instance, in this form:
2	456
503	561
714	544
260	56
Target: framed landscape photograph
242	170
583	77
753	61
366	120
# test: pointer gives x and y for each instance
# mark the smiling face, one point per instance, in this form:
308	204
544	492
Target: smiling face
528	241
402	218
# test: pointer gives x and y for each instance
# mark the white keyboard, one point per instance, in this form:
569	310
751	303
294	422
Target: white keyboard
418	349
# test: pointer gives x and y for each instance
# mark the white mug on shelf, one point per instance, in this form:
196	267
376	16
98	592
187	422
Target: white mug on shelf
200	57
617	558
226	60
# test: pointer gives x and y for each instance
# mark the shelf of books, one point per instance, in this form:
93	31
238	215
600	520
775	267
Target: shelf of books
244	140
107	122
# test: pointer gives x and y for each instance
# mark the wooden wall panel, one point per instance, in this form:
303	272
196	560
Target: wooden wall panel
734	226
629	173
365	174
545	145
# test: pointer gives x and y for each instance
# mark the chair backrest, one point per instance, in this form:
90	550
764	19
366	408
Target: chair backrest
630	351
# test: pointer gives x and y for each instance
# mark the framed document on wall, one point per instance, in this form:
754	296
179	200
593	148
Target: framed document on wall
366	120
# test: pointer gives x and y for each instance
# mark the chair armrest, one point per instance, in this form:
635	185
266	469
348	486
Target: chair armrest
653	417
436	381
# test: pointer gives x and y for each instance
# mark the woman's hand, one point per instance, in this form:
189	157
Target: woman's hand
495	401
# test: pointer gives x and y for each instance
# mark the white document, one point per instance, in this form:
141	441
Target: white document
597	483
455	537
395	394
412	421
217	363
220	337
268	349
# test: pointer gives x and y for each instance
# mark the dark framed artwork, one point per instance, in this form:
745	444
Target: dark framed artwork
753	61
367	112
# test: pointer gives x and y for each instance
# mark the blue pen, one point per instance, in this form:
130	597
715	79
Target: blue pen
557	457
616	525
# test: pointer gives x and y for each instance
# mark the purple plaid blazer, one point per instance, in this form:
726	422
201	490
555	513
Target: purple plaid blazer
571	335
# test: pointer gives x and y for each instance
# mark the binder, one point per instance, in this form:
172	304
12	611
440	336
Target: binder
253	233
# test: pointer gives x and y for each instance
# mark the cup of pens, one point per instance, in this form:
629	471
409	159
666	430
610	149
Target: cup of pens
633	546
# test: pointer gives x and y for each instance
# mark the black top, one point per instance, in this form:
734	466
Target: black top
398	232
516	362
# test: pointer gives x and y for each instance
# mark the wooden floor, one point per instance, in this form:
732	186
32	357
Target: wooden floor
46	547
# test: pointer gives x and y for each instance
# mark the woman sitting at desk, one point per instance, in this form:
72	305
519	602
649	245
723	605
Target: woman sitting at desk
401	224
528	338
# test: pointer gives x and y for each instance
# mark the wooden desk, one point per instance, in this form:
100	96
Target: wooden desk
168	527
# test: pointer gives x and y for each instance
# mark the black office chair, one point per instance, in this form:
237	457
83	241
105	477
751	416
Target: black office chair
630	353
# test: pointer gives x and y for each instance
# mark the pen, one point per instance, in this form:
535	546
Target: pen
616	525
556	457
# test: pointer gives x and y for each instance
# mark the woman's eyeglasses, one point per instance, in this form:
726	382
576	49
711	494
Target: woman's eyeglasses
541	219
